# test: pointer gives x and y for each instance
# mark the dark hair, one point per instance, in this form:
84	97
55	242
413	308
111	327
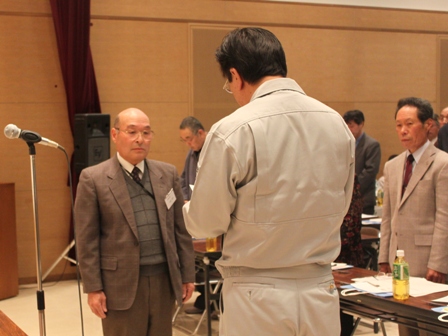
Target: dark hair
254	52
192	123
424	108
356	115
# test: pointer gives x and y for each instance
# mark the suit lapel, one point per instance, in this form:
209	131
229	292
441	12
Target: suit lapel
398	170
419	171
120	192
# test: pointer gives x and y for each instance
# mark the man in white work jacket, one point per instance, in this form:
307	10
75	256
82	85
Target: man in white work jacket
275	177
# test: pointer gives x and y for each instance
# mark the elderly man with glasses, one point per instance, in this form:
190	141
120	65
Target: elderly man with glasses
135	255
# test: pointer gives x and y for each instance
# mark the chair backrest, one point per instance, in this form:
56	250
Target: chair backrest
370	231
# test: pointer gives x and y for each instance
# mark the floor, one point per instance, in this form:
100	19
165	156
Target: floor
62	314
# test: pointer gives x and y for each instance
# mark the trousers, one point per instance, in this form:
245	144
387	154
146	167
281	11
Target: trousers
149	315
265	306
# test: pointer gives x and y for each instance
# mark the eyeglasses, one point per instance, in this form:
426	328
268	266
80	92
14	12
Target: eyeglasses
133	134
226	87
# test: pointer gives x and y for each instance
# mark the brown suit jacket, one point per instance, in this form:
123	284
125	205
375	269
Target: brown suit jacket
106	233
418	222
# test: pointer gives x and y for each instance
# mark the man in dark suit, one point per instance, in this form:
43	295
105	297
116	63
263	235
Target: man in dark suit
135	255
367	159
415	218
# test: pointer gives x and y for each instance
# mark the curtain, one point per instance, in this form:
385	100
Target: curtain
72	26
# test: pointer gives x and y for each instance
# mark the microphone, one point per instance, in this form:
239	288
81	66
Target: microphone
13	132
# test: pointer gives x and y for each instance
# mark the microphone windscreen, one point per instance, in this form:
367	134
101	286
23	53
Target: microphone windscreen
12	131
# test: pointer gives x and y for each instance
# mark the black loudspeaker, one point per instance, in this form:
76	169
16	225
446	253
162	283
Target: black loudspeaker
92	139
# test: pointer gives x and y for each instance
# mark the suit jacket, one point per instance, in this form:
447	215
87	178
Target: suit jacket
442	138
367	165
107	242
417	222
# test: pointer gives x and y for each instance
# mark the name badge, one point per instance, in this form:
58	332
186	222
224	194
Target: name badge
170	198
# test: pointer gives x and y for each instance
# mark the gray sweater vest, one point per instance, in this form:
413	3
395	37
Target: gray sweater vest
152	253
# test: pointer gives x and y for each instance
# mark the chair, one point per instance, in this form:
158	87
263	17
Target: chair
377	323
216	281
370	238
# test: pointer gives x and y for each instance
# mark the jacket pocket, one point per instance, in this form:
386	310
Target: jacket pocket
423	240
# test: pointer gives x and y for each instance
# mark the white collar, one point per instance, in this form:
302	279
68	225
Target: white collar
419	152
129	166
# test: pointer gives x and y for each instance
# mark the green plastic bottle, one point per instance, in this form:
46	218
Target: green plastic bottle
400	285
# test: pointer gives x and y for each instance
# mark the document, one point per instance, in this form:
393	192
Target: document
339	266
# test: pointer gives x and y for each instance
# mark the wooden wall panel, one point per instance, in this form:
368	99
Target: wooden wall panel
340	65
140	61
32	96
25	6
30	61
248	12
209	101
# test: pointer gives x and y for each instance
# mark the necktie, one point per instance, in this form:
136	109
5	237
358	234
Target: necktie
407	172
136	174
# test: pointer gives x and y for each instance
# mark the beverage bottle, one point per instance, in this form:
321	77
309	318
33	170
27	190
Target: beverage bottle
379	197
400	284
211	244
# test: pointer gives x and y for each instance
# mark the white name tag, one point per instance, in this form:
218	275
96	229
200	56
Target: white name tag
170	198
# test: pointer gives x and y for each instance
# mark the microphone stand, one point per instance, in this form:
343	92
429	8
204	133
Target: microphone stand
40	292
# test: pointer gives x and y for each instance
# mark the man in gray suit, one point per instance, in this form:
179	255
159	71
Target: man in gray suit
367	159
415	217
135	255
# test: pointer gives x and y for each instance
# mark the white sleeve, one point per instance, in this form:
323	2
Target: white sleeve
209	212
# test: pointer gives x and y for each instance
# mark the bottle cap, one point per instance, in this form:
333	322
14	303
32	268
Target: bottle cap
400	253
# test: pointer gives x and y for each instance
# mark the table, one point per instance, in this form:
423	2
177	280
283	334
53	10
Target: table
415	309
203	260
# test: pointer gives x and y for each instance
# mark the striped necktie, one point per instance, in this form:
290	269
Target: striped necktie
136	174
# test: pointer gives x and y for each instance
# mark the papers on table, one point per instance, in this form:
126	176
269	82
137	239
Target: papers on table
372	221
421	286
366	216
374	284
441	300
383	284
339	266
